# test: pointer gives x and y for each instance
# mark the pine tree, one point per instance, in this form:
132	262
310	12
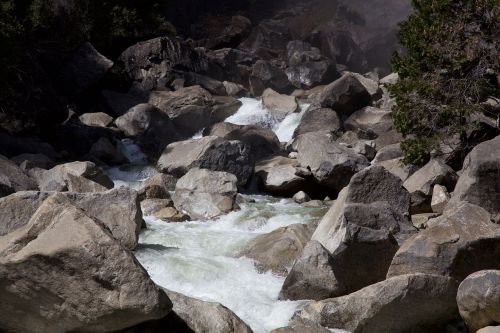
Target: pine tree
448	70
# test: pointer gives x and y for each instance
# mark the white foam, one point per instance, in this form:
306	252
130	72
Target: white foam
199	259
284	130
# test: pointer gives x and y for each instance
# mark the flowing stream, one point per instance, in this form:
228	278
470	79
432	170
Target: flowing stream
199	258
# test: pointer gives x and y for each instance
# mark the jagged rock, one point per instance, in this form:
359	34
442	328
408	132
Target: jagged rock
209	152
420	220
408	303
370	119
99	119
265	75
478	299
280	176
60	248
301	197
13	179
73	177
151	62
105	151
213	86
234	89
279	105
317	119
167	182
345	95
440	198
30	161
390	79
331	164
232	34
277	250
262	141
189	108
301	329
307	67
205	194
151	128
365	148
151	206
371	84
365	227
480	178
462	241
312	276
18	208
206	317
84	68
390	157
230	64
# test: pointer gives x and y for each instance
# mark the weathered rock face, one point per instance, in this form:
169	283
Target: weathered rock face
307	67
72	177
230	64
85	67
390	157
480	179
225	107
117	209
204	194
280	176
213	86
265	75
407	303
151	128
277	250
318	119
331	164
478	299
13	179
462	241
370	120
301	329
167	182
212	153
279	105
364	228
345	95
189	108
30	161
312	276
152	206
232	34
206	317
262	141
99	119
60	248
151	62
440	198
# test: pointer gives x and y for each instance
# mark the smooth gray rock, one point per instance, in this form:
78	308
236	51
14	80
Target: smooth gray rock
462	241
409	303
280	176
478	299
205	194
72	269
279	105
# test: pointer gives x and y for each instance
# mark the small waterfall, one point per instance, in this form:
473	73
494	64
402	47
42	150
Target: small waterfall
252	112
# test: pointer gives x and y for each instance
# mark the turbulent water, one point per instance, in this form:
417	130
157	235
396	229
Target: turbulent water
252	112
199	258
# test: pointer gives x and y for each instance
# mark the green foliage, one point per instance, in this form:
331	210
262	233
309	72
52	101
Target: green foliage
448	70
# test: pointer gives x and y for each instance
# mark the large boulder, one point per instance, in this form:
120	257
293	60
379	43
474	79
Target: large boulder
277	250
262	141
209	152
345	95
72	177
312	276
83	69
225	107
365	227
331	164
408	303
207	317
480	178
117	209
205	194
390	157
307	67
152	62
72	269
318	119
462	241
13	179
232	34
370	120
189	108
151	128
265	75
478	299
279	105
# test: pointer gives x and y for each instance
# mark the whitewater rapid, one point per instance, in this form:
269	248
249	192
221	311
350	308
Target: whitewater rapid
199	258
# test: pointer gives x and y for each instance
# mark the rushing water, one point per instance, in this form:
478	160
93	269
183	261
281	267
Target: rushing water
199	258
252	112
